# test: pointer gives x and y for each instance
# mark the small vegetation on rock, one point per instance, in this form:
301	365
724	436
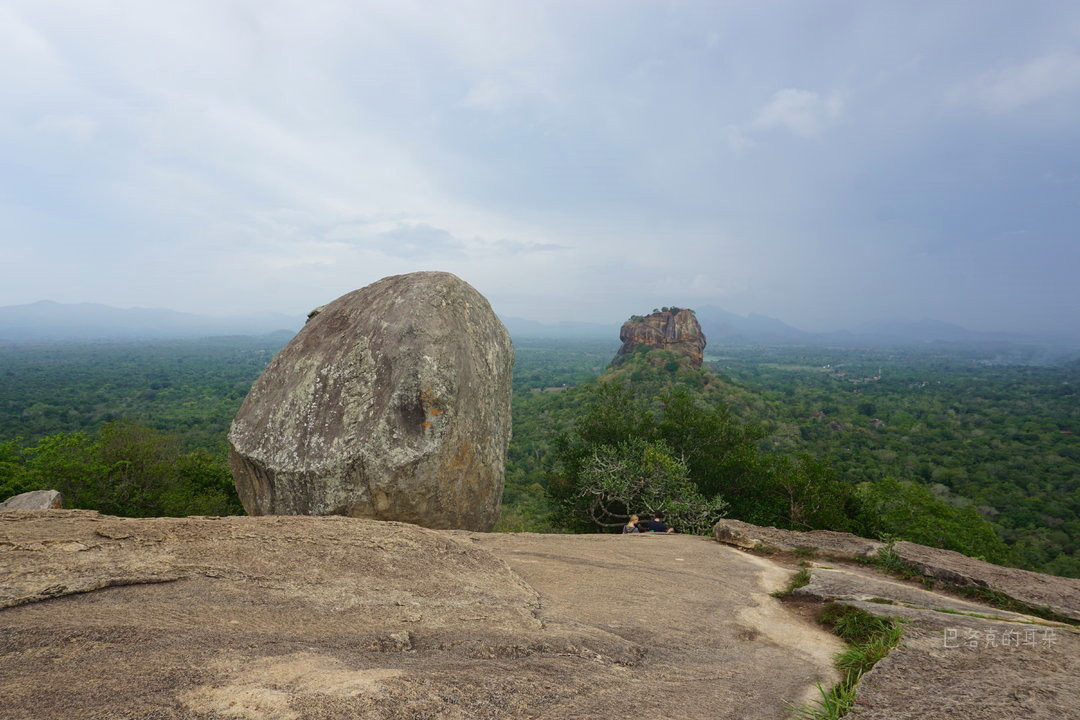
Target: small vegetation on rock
870	638
798	580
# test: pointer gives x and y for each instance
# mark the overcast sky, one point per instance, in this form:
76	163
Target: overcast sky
823	162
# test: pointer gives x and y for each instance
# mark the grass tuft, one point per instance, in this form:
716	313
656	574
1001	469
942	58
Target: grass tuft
798	580
871	639
888	561
832	705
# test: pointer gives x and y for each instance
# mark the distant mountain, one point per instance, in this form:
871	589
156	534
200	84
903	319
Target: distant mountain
721	326
927	330
47	321
565	330
718	325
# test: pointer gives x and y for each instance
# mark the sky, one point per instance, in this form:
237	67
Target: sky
827	163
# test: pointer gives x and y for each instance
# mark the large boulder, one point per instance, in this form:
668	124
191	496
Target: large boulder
392	402
34	500
676	330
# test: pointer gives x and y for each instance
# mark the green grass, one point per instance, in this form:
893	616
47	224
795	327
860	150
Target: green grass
871	638
833	704
888	561
798	580
1000	600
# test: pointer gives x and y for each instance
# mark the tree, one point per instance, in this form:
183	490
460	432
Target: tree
128	469
720	452
641	477
912	512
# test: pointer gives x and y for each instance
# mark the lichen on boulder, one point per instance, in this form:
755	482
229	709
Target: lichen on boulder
392	402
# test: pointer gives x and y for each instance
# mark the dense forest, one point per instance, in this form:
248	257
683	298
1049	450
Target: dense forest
933	443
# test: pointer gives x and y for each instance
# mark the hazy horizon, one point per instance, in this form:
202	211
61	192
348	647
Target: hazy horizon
827	164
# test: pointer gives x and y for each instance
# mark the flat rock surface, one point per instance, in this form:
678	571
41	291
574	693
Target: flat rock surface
717	644
949	667
1060	594
332	617
831	584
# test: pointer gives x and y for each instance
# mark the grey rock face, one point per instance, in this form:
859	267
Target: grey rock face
393	403
34	500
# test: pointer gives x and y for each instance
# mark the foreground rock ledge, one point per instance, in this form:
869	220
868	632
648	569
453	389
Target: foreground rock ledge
392	402
296	617
1058	594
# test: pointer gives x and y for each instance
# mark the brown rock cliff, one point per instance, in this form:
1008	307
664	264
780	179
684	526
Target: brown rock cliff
676	330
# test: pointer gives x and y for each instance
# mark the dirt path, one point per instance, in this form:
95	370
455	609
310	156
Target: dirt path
718	645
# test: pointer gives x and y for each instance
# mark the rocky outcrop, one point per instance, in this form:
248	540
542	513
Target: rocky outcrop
1058	594
392	402
956	659
677	331
769	539
34	500
284	618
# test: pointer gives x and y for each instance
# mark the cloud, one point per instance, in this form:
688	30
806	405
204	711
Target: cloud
77	128
514	247
418	241
505	93
244	155
802	112
20	41
1016	86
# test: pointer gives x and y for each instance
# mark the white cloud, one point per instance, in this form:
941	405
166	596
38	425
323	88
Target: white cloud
802	112
77	128
1016	86
245	154
505	93
20	42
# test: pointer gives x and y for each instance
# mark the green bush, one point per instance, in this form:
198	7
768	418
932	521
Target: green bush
127	469
908	511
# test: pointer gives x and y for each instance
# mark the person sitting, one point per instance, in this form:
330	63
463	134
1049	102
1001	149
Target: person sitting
631	525
658	525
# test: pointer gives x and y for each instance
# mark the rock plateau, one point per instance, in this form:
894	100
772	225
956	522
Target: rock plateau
677	331
392	402
288	618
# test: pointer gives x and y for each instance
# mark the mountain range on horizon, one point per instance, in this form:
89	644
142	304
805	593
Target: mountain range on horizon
50	321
